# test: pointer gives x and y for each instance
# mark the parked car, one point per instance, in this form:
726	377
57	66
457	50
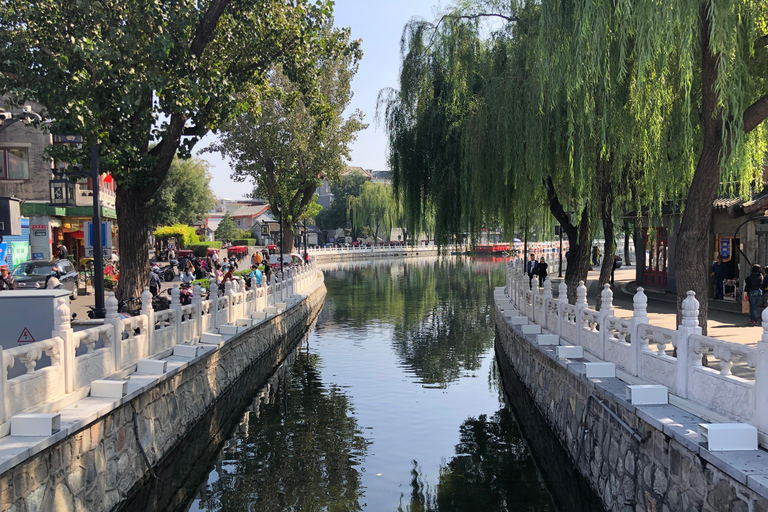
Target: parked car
31	275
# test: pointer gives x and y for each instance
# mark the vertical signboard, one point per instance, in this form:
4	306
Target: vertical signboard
725	248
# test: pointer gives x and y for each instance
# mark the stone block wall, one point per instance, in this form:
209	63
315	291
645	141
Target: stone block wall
657	474
99	466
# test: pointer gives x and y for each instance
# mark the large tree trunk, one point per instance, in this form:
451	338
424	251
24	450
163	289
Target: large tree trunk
692	247
609	250
287	241
578	255
133	218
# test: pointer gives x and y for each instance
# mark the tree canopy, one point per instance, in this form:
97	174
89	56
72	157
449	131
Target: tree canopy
144	79
583	107
185	196
347	185
376	208
286	148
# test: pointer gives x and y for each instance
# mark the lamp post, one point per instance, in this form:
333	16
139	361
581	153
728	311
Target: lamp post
305	240
63	194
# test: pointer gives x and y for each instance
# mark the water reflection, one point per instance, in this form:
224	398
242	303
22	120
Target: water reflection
491	455
300	450
395	403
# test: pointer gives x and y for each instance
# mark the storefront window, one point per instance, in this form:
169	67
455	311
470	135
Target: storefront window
15	164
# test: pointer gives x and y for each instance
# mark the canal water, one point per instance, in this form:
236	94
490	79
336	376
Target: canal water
393	402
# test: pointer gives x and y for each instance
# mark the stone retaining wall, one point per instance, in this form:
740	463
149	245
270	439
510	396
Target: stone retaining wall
657	474
98	466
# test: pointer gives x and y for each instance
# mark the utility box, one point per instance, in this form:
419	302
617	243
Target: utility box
10	216
26	317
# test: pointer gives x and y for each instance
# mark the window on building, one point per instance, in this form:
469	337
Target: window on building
14	163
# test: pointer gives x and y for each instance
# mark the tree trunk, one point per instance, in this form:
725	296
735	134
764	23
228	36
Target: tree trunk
609	250
287	241
578	258
692	247
132	213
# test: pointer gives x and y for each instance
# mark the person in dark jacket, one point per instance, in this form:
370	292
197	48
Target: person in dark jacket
753	287
718	273
532	270
542	271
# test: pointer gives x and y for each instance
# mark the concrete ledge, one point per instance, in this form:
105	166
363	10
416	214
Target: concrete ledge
185	351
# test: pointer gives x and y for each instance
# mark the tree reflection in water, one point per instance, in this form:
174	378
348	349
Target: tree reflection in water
302	453
441	312
493	470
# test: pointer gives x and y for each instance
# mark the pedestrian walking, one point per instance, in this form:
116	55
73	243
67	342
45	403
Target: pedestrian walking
753	288
542	271
154	283
718	273
532	270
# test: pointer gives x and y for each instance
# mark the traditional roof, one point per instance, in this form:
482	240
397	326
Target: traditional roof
250	211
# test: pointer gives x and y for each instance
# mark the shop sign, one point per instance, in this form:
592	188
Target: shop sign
725	248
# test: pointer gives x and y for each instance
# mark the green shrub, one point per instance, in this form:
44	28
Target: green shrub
204	283
200	249
244	241
184	235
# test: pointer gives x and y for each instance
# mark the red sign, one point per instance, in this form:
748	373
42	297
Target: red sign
26	336
38	226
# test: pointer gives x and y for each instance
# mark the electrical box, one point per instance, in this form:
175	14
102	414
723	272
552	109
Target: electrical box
10	216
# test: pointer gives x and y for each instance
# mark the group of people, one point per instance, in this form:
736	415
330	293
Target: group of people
537	268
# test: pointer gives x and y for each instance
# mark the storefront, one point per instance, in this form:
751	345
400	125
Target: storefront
49	225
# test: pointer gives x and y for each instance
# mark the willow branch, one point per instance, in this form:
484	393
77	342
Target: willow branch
510	19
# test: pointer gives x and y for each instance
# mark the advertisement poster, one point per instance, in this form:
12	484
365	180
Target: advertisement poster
19	252
725	248
3	253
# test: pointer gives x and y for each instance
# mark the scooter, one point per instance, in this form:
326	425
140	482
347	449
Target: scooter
170	272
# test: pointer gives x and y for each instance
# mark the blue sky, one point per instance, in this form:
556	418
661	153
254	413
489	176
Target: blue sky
379	25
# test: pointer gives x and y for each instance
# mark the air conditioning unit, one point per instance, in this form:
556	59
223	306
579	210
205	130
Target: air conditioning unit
10	216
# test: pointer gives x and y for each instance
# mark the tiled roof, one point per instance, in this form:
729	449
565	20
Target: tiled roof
250	211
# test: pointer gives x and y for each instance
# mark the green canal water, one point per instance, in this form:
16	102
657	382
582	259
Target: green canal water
393	402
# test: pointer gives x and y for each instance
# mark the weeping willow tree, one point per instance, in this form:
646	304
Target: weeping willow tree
694	73
375	208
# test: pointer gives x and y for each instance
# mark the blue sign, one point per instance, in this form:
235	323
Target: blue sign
37	255
3	253
725	248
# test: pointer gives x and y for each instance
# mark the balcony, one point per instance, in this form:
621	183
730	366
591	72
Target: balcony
84	196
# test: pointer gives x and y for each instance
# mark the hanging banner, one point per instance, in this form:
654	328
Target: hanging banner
725	248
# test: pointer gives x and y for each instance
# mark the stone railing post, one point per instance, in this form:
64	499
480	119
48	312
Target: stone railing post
252	306
112	318
639	317
546	297
197	300
229	292
689	327
534	295
148	309
213	297
562	301
606	310
761	378
63	329
581	305
176	306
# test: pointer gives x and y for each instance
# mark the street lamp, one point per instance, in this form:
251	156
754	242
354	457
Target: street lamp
63	194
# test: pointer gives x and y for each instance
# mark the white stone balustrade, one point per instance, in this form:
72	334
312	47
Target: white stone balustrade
670	357
121	342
